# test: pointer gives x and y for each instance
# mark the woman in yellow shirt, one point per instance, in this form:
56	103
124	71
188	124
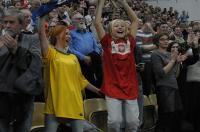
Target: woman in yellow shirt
64	80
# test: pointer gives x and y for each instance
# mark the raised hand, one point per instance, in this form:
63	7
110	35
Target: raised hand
174	55
181	58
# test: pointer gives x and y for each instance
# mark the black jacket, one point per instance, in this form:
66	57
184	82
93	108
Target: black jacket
19	72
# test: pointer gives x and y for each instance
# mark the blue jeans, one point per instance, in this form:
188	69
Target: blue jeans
52	123
122	112
17	114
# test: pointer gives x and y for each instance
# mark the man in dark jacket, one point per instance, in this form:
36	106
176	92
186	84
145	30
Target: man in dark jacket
20	74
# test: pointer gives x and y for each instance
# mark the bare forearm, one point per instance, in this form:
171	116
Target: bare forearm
43	38
99	11
169	66
131	14
98	24
92	88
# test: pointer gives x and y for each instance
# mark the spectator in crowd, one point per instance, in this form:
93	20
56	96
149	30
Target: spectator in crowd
168	98
63	98
27	21
163	28
34	4
144	38
63	14
120	84
181	78
20	70
84	45
144	47
53	18
190	89
177	35
184	17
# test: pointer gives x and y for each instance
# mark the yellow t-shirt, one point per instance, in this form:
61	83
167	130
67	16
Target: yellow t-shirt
64	82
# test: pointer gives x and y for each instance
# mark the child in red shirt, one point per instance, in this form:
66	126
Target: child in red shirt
120	83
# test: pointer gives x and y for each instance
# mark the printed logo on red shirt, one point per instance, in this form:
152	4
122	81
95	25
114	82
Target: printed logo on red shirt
120	48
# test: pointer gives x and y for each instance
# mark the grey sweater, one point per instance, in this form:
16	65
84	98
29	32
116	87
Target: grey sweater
159	61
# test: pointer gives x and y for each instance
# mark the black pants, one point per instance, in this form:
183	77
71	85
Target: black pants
168	122
15	112
93	73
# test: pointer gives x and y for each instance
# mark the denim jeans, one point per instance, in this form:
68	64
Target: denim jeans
122	112
52	123
17	113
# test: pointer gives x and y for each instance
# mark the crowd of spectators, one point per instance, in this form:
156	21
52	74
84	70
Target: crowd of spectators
160	69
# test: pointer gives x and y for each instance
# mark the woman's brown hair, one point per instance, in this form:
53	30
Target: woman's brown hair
54	32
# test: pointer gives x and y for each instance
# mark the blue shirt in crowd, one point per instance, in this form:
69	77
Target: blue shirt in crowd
82	43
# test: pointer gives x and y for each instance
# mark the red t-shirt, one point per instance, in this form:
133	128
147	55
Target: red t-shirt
120	79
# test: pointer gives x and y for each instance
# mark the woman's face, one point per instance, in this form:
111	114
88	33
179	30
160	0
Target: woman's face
175	47
163	42
64	37
53	14
67	35
119	29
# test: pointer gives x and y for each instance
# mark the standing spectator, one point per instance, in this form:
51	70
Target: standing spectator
63	98
84	45
20	70
182	84
144	38
120	83
144	43
193	88
168	98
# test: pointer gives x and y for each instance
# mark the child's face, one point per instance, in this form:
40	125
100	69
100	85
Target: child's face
119	29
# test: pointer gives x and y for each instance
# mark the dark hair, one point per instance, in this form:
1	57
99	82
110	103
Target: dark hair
171	44
157	37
